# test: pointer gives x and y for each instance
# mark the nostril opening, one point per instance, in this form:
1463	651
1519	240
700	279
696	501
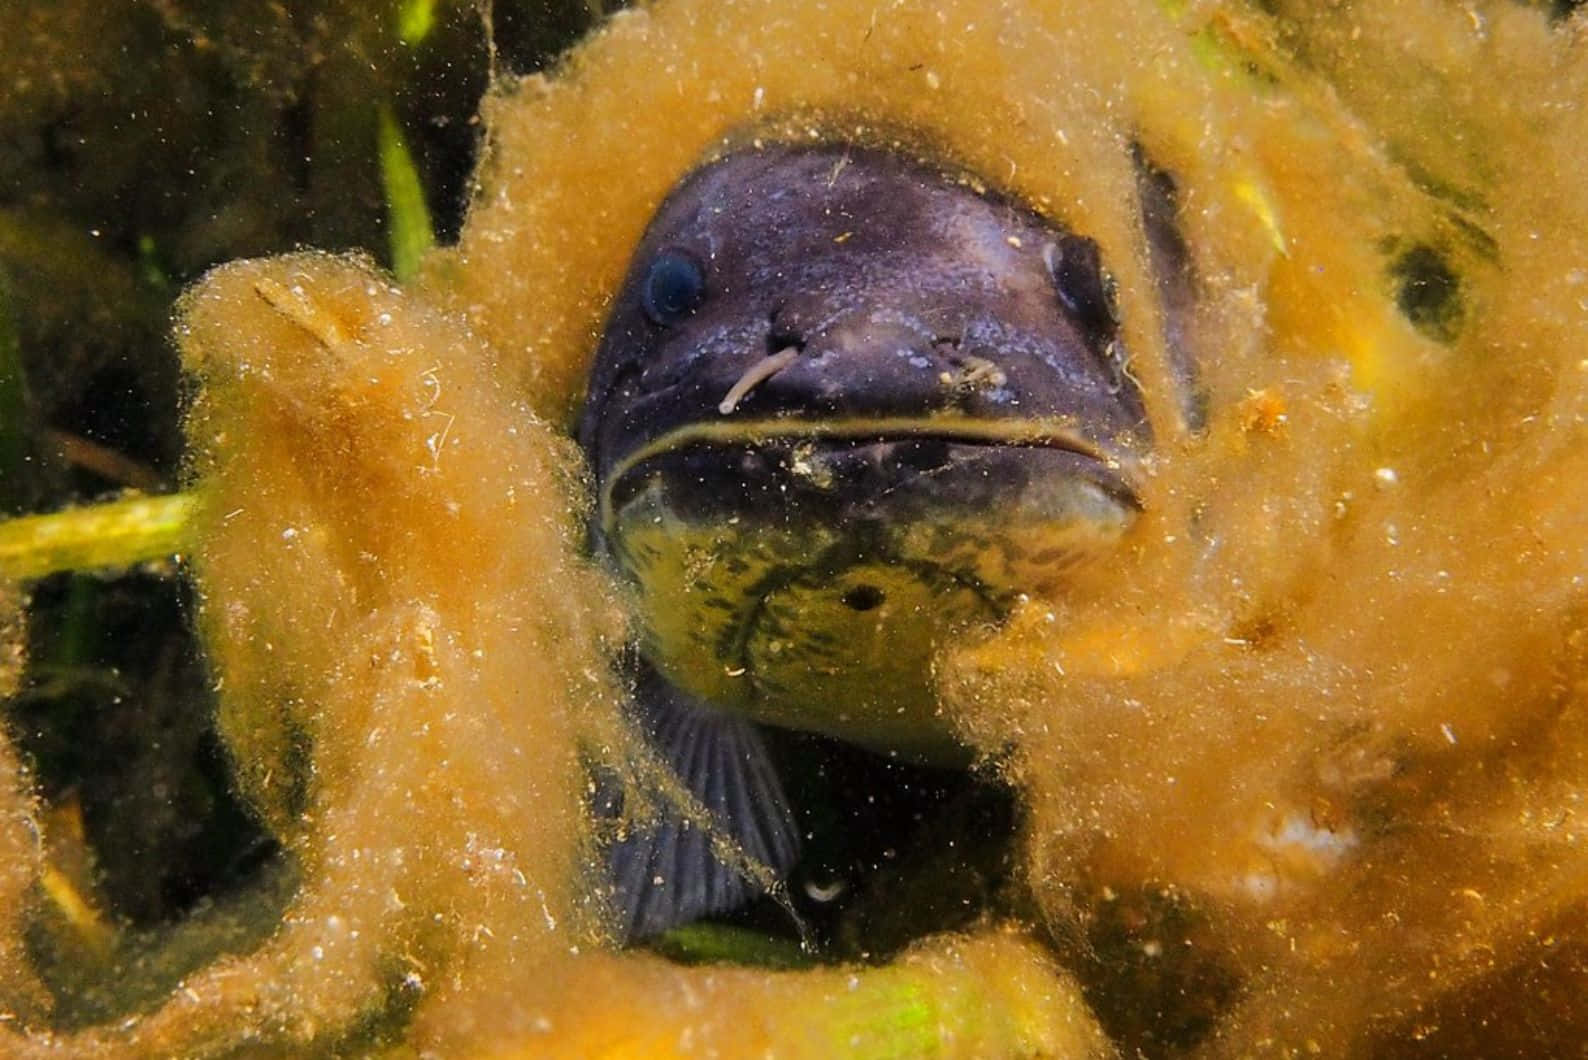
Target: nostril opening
780	339
781	336
862	598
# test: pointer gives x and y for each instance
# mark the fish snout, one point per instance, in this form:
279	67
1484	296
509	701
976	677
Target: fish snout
877	363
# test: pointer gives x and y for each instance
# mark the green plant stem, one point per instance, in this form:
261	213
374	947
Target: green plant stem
116	534
707	943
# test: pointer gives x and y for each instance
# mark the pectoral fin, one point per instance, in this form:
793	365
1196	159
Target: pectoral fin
671	867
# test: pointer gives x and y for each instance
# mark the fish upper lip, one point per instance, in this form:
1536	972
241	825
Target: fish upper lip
1042	433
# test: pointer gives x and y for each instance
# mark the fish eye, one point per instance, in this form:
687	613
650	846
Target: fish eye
1084	288
674	287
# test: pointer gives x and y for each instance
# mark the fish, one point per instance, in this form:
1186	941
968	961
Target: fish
850	405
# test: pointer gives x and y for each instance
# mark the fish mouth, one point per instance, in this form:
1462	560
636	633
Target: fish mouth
863	469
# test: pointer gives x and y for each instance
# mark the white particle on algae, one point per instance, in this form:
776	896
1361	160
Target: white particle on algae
1386	477
1297	833
1261	886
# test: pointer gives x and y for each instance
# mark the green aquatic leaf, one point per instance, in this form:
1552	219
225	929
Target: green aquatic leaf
415	20
408	229
706	943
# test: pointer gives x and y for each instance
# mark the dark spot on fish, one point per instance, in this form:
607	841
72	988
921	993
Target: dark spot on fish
862	598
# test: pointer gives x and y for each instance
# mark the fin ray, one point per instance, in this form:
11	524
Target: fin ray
669	870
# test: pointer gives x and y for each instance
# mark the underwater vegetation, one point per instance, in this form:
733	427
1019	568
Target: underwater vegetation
1295	771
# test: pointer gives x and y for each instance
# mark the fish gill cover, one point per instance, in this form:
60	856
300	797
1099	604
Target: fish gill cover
1327	697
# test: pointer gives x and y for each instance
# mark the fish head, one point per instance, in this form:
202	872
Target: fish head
847	407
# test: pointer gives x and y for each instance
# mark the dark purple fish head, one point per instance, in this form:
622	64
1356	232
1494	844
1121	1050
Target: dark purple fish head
846	406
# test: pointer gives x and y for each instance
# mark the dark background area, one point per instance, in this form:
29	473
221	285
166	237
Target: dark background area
140	144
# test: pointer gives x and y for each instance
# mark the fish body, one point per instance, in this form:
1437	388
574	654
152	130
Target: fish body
848	406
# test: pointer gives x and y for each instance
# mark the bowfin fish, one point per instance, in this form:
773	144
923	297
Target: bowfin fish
684	863
847	408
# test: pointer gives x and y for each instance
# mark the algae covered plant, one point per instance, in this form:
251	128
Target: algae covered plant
1293	768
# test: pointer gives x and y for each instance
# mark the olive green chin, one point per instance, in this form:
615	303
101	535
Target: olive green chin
850	653
854	656
806	627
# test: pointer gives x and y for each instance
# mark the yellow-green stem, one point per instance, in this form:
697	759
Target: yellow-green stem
116	534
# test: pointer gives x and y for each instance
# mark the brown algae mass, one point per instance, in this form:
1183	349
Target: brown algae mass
1328	698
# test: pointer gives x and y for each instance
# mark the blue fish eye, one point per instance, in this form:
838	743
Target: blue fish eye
674	287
